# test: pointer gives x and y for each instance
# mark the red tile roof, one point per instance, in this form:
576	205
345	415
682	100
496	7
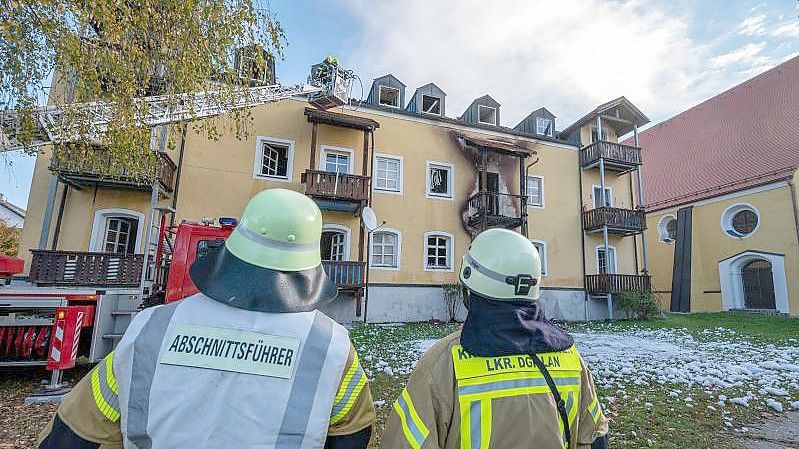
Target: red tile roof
742	138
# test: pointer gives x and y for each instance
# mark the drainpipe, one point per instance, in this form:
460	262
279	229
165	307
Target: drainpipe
177	177
57	231
48	213
644	247
582	233
795	211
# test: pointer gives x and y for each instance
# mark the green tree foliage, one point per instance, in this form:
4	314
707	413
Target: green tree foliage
9	238
119	50
638	305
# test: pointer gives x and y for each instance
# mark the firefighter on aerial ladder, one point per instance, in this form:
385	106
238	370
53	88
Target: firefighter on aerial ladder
509	378
247	362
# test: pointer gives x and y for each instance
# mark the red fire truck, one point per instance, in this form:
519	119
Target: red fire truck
55	325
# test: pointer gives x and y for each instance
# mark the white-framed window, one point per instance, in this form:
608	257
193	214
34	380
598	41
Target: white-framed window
667	229
386	249
431	105
336	159
387	174
535	191
544	127
594	134
274	159
486	115
438	248
440	180
117	231
335	242
388	96
740	220
597	196
541	246
606	264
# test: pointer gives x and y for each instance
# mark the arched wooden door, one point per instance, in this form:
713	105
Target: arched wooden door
758	284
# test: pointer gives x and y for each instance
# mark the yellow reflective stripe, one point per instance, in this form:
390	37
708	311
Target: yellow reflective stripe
594	409
105	397
412	426
350	389
110	379
469	366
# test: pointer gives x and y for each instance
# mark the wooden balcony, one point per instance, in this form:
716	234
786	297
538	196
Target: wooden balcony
348	275
337	191
618	221
77	268
617	157
617	283
494	210
82	167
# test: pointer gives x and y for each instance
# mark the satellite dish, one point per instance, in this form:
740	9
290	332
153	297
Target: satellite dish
368	218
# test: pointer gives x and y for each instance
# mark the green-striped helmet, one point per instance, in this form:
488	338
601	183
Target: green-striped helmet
502	265
280	229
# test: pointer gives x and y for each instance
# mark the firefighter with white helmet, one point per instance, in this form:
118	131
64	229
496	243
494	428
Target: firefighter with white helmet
509	378
247	363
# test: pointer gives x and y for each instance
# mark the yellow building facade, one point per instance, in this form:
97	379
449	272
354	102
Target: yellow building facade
432	181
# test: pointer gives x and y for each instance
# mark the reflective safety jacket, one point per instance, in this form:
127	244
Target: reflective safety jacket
200	374
454	400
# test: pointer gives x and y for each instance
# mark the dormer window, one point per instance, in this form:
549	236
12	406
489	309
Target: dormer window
389	96
431	105
543	127
486	115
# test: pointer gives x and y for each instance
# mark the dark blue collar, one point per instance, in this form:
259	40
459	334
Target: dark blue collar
495	328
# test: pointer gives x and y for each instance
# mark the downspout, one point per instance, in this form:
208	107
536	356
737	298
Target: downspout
177	176
57	231
795	211
644	249
635	239
582	231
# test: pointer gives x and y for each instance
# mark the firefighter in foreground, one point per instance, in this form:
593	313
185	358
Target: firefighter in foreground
247	363
508	378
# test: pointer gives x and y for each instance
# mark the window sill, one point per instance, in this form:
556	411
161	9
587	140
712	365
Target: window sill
272	178
434	196
373	267
439	270
534	206
389	192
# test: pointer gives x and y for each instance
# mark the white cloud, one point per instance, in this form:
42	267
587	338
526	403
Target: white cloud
567	55
753	26
749	54
787	30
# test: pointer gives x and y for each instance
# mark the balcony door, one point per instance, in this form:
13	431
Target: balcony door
492	190
337	160
606	263
335	243
598	197
117	231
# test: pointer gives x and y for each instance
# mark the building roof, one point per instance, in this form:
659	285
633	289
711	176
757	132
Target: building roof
620	114
741	138
500	146
344	120
12	207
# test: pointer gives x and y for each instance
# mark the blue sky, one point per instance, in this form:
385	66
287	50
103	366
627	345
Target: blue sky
567	55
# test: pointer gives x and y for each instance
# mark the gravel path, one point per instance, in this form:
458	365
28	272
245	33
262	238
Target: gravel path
20	424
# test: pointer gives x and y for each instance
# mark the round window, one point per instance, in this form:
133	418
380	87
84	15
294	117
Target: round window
744	222
740	220
671	229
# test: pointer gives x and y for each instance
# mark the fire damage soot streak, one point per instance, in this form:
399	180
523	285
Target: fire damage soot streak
230	350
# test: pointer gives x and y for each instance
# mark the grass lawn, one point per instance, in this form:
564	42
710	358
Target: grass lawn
651	414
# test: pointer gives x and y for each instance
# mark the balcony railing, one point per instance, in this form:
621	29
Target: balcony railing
616	155
491	209
95	166
76	268
617	283
624	221
336	186
348	275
